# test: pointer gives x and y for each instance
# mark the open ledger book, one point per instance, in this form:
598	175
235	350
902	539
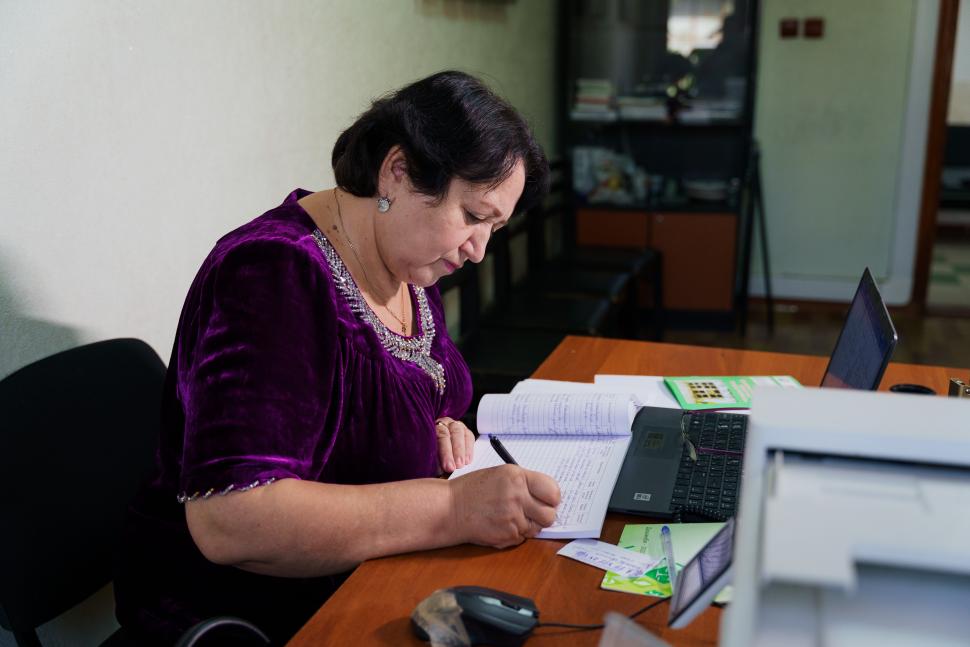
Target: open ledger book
579	439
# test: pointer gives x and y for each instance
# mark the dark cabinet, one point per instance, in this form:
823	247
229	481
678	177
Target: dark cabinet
698	250
656	106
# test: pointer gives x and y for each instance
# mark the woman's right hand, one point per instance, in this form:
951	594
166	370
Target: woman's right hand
503	506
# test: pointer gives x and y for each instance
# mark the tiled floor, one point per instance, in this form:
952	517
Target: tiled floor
949	285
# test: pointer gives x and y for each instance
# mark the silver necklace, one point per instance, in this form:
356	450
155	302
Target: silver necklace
353	250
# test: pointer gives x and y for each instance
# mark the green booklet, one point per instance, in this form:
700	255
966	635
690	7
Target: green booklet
686	538
721	391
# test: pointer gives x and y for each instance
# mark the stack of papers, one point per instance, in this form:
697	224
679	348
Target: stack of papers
578	438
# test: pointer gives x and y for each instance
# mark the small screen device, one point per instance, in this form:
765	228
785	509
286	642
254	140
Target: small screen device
866	342
699	582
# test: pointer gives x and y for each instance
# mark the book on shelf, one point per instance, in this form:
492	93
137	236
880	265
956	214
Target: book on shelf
642	107
643	112
579	439
589	115
592	107
699	112
604	86
592	100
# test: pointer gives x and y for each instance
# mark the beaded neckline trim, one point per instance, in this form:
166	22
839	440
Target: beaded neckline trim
417	349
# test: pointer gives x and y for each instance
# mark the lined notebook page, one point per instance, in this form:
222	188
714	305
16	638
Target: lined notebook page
585	467
584	414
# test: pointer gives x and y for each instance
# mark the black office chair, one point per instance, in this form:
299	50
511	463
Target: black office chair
78	432
522	309
224	631
645	265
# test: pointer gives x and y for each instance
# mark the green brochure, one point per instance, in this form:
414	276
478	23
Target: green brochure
687	540
721	391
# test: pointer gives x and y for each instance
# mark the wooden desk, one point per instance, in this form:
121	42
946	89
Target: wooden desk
374	605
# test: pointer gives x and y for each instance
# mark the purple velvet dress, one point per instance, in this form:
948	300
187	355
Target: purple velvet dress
279	370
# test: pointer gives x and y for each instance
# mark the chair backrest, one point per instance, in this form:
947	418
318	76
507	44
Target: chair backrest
536	235
463	282
558	212
78	432
558	215
539	236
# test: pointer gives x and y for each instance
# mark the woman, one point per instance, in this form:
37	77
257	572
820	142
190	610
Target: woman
312	395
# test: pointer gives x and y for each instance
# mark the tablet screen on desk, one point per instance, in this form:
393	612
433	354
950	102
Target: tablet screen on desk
866	342
699	582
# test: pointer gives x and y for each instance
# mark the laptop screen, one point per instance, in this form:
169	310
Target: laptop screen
865	344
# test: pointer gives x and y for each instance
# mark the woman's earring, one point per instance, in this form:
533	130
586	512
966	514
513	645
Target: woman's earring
383	204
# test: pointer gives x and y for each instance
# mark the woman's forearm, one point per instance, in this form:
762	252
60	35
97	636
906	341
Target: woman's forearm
294	528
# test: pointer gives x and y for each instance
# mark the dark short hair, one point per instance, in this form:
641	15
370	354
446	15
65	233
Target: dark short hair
449	125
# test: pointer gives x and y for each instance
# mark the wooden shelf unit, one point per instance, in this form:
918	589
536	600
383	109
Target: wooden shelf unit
698	248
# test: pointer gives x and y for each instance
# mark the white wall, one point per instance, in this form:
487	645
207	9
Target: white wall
842	123
134	134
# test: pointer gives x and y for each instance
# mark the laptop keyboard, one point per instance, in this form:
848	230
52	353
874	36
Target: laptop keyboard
710	485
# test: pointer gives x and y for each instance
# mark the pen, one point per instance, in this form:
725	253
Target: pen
501	451
669	555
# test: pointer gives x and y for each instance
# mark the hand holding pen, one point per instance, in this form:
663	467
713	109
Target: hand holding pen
502	506
501	451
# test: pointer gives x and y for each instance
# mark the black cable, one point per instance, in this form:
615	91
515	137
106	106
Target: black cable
633	615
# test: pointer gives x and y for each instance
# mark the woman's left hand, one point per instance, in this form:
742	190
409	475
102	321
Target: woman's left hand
456	443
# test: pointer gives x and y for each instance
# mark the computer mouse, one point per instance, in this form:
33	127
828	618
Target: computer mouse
462	616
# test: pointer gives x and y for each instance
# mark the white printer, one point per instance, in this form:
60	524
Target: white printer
854	521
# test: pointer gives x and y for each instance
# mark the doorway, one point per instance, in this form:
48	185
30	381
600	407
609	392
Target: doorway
948	290
941	281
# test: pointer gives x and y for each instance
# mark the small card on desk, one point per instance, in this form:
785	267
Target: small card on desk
722	391
608	557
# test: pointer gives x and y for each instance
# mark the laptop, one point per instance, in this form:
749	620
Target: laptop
680	462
